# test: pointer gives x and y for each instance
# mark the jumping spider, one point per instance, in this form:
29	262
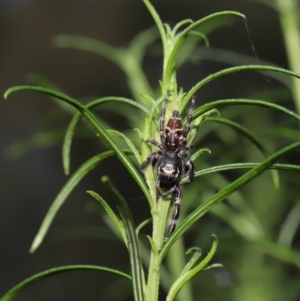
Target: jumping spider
171	161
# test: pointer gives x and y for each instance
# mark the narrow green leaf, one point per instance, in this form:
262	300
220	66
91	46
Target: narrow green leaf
197	122
232	166
75	120
141	41
290	226
199	152
157	21
15	290
248	134
285	132
129	144
239	221
180	24
76	177
184	278
38	80
156	104
128	60
95	123
133	247
153	246
226	71
202	36
286	254
221	195
148	97
197	254
87	44
269	4
67	143
288	15
113	99
260	103
181	37
210	17
116	221
188	49
142	225
234	58
213	266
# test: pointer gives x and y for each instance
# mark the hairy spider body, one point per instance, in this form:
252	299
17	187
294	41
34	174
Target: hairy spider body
171	161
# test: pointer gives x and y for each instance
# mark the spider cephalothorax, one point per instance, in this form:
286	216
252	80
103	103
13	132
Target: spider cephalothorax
171	161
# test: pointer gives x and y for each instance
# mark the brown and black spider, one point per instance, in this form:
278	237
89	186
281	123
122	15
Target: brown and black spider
171	161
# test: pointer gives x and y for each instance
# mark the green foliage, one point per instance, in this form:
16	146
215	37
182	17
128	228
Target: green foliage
176	45
15	290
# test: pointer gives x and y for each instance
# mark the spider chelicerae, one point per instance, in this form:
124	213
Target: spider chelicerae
171	161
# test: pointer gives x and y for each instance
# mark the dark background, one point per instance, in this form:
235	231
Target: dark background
29	183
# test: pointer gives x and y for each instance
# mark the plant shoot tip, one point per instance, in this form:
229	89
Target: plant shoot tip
104	179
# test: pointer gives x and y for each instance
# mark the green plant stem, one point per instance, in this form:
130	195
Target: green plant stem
159	208
289	19
159	214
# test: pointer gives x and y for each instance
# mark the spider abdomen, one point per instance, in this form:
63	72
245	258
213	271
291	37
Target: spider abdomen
169	169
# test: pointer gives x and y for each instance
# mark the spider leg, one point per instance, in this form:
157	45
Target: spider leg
177	203
190	116
162	123
167	193
151	158
189	169
157	144
160	192
182	151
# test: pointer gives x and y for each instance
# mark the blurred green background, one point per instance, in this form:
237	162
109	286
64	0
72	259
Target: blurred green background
249	224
